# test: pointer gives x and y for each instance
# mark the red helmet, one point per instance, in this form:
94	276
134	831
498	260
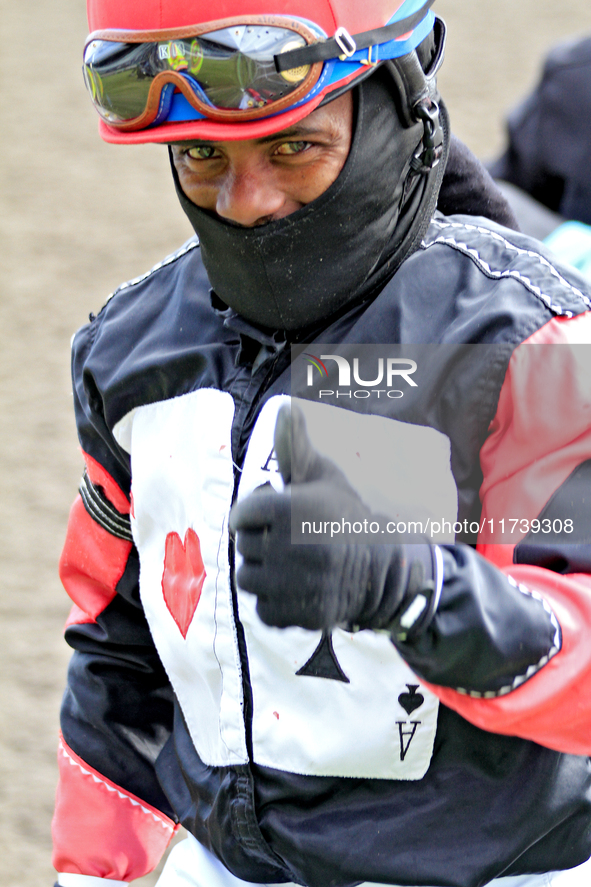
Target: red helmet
165	70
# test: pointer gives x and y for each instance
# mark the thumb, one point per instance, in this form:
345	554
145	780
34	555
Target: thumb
297	458
282	442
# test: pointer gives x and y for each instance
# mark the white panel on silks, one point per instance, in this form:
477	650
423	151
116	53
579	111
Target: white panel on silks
400	470
182	485
382	723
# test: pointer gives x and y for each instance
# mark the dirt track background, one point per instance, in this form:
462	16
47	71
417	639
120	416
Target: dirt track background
78	217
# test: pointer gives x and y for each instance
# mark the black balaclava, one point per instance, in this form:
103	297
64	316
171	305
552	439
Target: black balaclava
339	249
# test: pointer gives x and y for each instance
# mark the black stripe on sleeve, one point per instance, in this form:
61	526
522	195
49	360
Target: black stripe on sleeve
101	510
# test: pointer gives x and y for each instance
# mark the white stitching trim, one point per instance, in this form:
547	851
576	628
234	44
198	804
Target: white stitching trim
485	267
520	679
192	244
111	788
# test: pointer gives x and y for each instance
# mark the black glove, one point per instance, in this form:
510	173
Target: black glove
321	586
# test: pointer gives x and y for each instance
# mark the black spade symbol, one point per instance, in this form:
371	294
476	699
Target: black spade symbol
412	700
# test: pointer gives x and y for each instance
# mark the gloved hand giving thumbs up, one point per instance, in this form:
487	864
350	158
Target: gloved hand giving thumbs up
320	586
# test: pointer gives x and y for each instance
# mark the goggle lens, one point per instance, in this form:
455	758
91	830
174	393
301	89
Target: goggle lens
230	69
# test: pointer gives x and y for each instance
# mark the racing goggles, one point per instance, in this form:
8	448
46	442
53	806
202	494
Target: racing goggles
226	70
235	69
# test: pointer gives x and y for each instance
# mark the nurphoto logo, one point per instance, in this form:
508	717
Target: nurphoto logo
386	375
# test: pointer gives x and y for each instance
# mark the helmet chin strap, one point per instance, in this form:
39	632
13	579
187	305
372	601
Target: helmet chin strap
431	150
418	99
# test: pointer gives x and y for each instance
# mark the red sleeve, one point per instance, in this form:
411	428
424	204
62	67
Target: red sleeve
542	429
93	558
552	708
99	829
91	565
541	434
103	824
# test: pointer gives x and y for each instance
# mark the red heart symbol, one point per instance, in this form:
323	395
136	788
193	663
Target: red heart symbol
183	577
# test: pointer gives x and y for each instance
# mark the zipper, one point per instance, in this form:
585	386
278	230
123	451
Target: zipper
259	394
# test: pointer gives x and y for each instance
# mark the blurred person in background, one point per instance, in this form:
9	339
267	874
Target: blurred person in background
545	171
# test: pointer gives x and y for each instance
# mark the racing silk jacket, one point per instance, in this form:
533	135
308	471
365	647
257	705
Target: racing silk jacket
459	754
